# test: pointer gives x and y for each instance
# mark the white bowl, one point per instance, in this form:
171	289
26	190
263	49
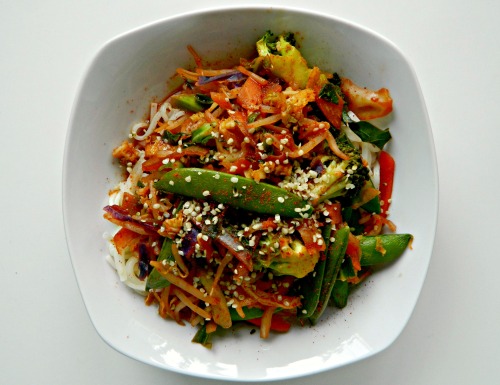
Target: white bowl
123	78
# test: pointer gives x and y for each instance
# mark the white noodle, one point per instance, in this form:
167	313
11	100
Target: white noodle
152	125
132	280
131	183
166	112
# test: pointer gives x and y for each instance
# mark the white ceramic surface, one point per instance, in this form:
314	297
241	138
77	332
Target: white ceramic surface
130	71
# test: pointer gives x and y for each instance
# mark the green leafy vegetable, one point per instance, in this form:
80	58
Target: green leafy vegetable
330	93
370	133
155	280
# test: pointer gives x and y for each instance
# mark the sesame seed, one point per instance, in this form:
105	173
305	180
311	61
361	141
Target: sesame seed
188	178
206	193
216	176
234	179
281	199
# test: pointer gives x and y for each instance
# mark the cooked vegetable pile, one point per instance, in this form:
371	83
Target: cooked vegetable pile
255	194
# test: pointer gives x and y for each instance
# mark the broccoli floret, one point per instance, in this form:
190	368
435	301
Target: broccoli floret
342	178
285	255
283	59
267	44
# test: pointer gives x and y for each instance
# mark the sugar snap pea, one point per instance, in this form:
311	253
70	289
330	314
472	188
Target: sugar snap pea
383	249
310	287
335	255
234	190
155	280
340	293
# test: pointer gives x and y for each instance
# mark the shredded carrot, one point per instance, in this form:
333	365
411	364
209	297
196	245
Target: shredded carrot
267	120
196	57
221	268
266	299
309	146
187	301
253	75
211	327
332	143
179	282
189	75
265	325
184	271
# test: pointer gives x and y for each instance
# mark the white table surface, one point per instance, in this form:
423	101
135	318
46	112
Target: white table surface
46	335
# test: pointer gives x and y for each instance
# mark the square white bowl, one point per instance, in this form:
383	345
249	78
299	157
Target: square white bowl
135	68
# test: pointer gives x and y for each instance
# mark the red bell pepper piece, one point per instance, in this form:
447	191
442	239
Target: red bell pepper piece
387	170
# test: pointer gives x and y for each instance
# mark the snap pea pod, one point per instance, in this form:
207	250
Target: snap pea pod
155	280
375	250
382	249
202	337
310	288
234	190
340	293
335	255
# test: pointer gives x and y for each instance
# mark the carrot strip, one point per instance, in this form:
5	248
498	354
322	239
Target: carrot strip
186	301
267	120
179	282
332	143
265	325
180	262
253	75
309	146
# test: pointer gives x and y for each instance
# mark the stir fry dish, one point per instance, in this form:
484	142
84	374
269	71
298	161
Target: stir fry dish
256	194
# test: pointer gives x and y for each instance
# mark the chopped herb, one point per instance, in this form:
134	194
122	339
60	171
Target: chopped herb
171	138
330	93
